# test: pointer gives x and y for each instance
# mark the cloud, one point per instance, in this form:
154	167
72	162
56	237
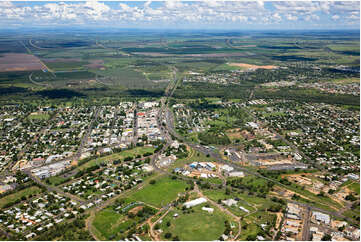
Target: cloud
291	17
277	17
175	12
335	17
312	17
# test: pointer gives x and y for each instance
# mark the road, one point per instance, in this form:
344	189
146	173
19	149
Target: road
38	83
54	189
306	225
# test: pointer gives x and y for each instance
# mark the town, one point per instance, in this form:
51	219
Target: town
85	157
180	120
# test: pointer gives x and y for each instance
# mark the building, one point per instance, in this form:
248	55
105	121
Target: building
195	202
229	202
209	210
321	217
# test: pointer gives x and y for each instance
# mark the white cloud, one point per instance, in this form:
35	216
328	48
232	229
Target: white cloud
312	17
277	17
291	17
335	17
174	12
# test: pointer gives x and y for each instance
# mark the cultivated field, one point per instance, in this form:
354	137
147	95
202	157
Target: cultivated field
19	62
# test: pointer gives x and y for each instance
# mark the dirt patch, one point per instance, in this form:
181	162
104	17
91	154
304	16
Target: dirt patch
96	64
252	67
234	133
136	209
52	60
19	62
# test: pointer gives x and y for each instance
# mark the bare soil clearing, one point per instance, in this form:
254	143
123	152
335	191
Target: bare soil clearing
249	66
19	62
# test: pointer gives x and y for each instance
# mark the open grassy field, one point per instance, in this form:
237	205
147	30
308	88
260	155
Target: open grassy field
161	193
108	223
56	180
121	155
217	195
198	225
65	65
42	116
17	195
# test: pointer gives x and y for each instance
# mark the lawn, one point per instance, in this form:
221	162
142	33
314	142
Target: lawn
17	195
111	224
161	193
108	222
248	230
198	225
56	180
215	195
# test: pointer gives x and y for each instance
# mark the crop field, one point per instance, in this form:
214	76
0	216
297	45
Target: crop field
19	62
146	61
63	64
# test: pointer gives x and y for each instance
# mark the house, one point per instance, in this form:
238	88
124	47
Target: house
236	174
209	210
227	168
260	238
321	217
244	209
31	235
229	202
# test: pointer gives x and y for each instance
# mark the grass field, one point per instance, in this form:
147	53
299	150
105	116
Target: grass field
198	225
43	116
108	223
121	155
355	187
56	180
66	66
17	195
161	193
111	224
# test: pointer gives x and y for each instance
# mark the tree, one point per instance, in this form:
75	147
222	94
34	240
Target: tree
326	237
152	182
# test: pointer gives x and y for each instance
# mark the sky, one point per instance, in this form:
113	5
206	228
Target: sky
175	14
